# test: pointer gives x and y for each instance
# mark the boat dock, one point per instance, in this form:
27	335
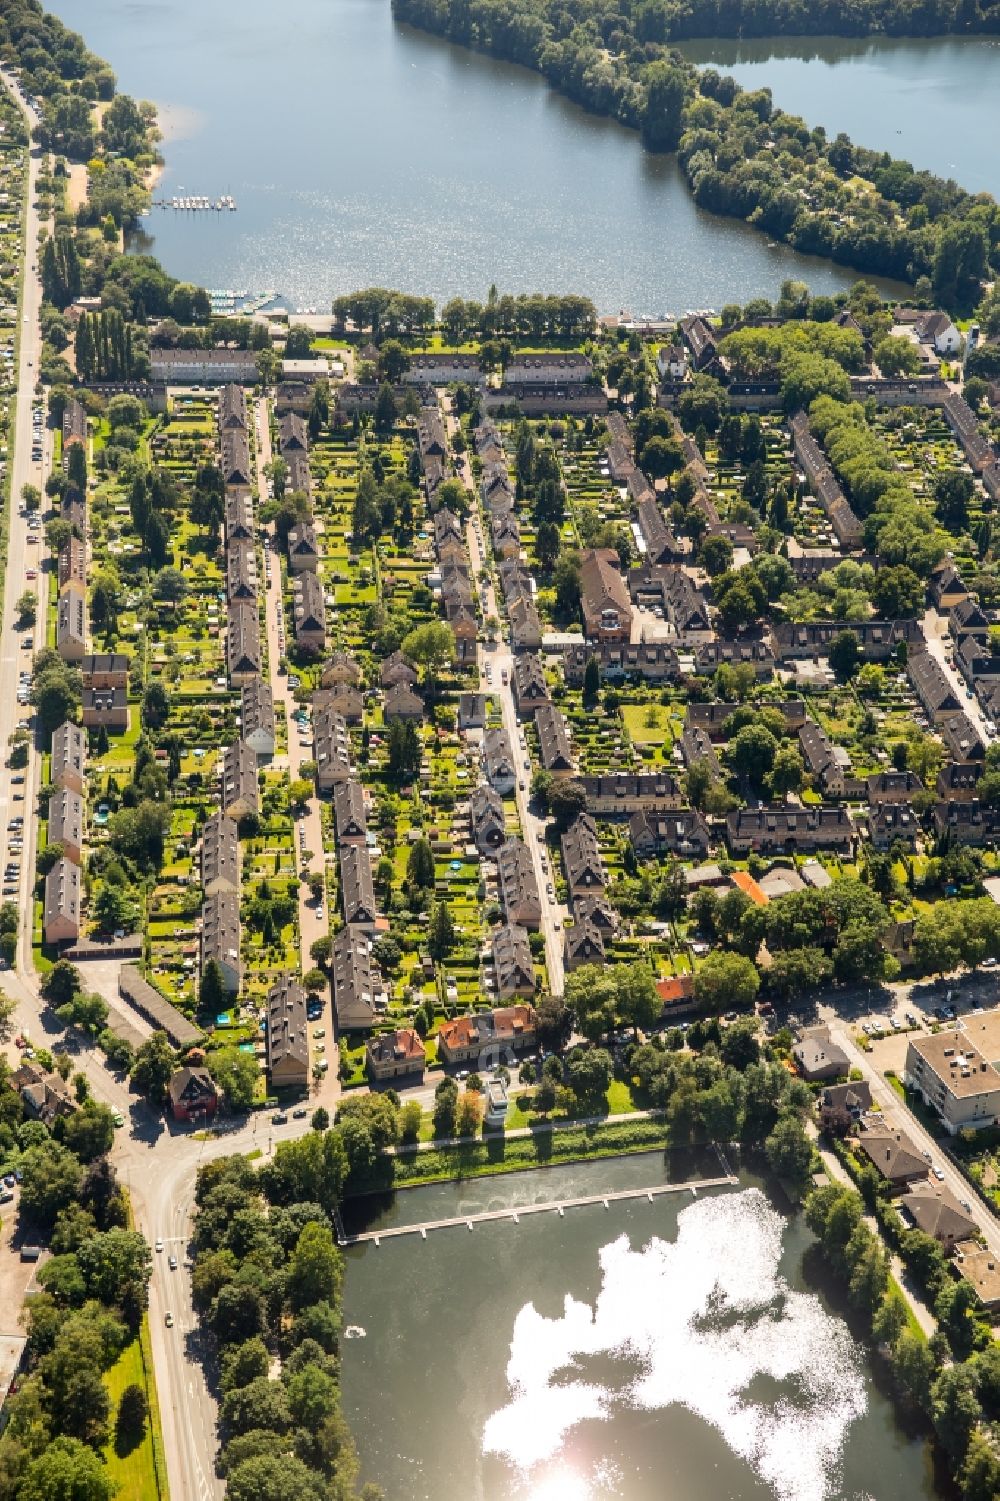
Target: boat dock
196	203
553	1206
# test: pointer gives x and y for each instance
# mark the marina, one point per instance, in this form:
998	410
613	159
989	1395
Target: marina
196	203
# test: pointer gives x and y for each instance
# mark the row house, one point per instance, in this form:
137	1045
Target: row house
239	519
220	855
71	623
712	717
203	367
618	794
257	726
400	702
945	587
528	681
699	338
340	668
621	464
582	860
684	605
353	974
659	542
969	822
932	685
735	651
303	548
583	943
962	739
232	409
513	966
356	886
607	610
220	937
66	823
823	483
286	1035
680	831
575	399
697	749
965	426
396	670
449	541
893	824
467	1038
331	748
237	471
783	830
519	896
892	787
240	790
298	480
498	762
444	369
309	612
350	816
293	435
878	640
822	760
548	369
487	820
68	757
241	573
74	424
959	780
244	657
555	749
653	661
619	431
72	564
61	904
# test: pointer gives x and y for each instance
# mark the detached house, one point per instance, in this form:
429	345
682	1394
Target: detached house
395	1055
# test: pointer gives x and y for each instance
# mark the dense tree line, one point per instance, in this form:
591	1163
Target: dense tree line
740	155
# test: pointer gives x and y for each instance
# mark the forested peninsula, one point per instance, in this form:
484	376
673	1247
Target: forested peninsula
741	156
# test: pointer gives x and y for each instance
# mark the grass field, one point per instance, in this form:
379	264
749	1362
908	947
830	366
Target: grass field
134	1471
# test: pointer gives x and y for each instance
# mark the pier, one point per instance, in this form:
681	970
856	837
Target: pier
197	203
515	1215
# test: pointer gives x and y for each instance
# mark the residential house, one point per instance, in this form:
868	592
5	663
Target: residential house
353	981
444	369
555	749
303	549
66	819
68	757
525	624
700	339
257	717
71	623
293	436
193	1095
822	481
684	606
785	830
851	1099
713	717
220	855
74	424
467	1038
513	966
396	670
822	759
958	780
61	909
582	860
878	640
671	362
395	1055
548	369
309	610
331	748
220	936
969	822
892	1154
607	611
203	367
735	651
937	329
498	762
892	787
652	661
817	1056
583	943
340	668
934	1209
620	463
893	824
232	409
286	1035
529	685
72	566
961	737
350	818
681	831
240	793
518	884
241	573
659	543
237	471
965	616
104	708
472	709
356	886
239	518
945	587
244	657
932	686
344	700
487	821
618	794
402	703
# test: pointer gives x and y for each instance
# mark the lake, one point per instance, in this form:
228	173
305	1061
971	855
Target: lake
362	152
664	1351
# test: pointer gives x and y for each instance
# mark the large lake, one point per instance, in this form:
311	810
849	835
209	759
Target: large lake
361	152
664	1351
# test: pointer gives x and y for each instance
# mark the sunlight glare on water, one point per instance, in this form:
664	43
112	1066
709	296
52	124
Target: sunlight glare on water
708	1323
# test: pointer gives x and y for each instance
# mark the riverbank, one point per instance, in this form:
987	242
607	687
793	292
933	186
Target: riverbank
490	1157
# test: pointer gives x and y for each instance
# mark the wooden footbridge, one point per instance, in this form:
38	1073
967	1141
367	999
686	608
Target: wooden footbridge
552	1206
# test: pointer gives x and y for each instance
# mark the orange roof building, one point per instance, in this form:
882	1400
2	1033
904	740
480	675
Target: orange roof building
746	883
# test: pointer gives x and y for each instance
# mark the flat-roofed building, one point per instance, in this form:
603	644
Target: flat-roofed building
68	762
61	920
220	855
136	991
257	717
954	1078
66	823
220	936
286	1035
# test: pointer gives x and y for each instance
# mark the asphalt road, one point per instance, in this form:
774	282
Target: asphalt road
935	625
500	661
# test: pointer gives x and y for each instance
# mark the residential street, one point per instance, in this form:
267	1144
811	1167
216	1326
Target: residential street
935	625
496	664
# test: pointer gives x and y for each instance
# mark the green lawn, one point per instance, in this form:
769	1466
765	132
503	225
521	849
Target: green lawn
134	1472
